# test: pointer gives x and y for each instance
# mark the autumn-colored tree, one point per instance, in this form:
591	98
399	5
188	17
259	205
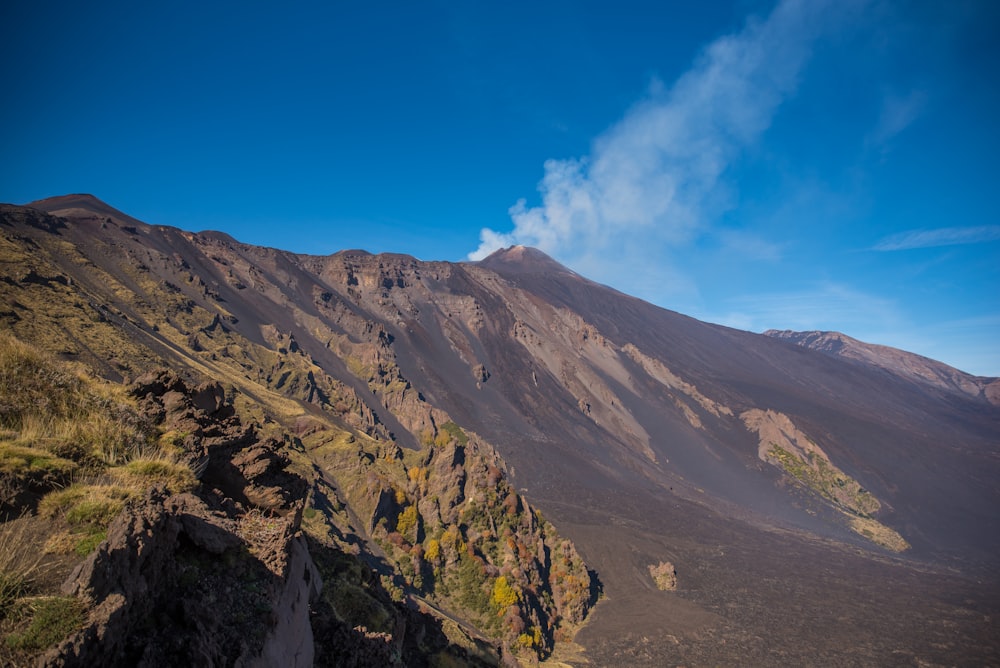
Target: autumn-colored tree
433	552
406	523
503	595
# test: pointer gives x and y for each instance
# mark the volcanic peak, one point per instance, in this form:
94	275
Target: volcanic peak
522	260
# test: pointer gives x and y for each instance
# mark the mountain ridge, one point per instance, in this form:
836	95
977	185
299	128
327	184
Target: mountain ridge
645	435
917	368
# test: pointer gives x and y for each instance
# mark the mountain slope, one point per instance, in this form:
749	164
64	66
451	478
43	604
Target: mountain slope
913	367
775	478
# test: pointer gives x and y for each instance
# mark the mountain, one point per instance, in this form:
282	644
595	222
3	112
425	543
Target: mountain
82	205
915	368
814	509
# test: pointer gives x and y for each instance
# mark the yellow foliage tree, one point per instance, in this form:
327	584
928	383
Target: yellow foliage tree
433	552
407	521
503	595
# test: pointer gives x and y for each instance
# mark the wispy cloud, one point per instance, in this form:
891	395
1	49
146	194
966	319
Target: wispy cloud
898	113
823	306
942	236
653	180
751	246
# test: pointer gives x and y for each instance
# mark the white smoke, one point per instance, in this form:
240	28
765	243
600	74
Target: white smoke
653	180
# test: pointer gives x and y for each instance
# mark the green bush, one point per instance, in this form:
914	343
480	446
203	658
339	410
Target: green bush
455	432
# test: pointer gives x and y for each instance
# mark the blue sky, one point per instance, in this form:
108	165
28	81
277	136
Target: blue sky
799	164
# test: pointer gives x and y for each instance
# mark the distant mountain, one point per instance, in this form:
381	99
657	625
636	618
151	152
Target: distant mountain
82	206
818	509
911	366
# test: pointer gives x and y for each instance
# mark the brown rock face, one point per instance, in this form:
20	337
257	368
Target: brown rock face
217	577
170	587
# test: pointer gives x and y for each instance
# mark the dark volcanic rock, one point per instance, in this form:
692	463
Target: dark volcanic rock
169	587
203	578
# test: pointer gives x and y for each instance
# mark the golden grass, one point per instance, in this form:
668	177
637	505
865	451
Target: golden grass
57	407
88	510
33	463
19	562
31	384
144	472
58	424
90	504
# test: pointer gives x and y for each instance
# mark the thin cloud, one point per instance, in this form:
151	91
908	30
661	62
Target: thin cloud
824	306
942	236
751	246
655	177
898	113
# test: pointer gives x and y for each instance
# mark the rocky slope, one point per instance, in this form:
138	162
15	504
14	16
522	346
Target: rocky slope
428	402
910	366
218	574
500	589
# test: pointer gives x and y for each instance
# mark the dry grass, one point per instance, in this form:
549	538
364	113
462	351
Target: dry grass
88	510
260	529
59	424
86	504
144	472
31	384
19	562
57	407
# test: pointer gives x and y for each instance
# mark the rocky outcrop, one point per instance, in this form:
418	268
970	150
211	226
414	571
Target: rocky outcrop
217	577
225	453
457	533
786	447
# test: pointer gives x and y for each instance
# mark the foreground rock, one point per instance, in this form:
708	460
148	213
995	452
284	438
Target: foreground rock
221	576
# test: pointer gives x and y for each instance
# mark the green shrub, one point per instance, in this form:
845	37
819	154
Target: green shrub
455	432
469	581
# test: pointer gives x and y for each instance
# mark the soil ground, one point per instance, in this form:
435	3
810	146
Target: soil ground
753	597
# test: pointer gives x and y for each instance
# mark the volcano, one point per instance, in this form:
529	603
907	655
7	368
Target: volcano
822	501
